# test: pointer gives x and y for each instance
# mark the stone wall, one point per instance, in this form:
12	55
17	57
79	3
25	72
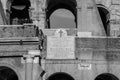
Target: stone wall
113	6
15	43
18	31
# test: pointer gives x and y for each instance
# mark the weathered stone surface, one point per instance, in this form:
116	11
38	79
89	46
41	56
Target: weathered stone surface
103	56
50	32
113	43
94	43
16	50
98	43
18	31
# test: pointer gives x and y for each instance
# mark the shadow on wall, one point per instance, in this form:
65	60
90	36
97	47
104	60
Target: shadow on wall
7	74
60	76
106	76
105	15
19	13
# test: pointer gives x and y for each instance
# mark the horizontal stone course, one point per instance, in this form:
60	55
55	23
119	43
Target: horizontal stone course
18	31
98	43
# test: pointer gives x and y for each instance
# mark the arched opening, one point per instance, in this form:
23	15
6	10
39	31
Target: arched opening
19	12
55	7
106	76
60	76
7	74
62	18
105	15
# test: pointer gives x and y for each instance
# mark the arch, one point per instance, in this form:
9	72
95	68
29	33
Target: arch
105	16
60	76
19	11
62	18
106	76
7	73
53	5
12	68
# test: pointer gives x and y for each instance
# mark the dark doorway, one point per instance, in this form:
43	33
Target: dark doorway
55	5
20	12
7	74
105	15
60	76
106	76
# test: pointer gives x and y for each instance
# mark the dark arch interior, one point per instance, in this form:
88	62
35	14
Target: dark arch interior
60	76
7	74
20	11
53	5
106	76
104	14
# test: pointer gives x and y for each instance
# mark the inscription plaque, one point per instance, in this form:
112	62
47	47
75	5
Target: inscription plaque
60	46
84	66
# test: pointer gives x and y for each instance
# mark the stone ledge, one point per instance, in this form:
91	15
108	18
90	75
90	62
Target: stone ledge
18	31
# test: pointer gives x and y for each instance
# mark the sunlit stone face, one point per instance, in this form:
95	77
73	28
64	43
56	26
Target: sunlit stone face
62	18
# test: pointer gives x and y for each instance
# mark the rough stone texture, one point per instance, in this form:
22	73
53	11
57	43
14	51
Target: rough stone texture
113	6
15	42
18	31
89	19
91	43
50	32
14	50
102	53
98	43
